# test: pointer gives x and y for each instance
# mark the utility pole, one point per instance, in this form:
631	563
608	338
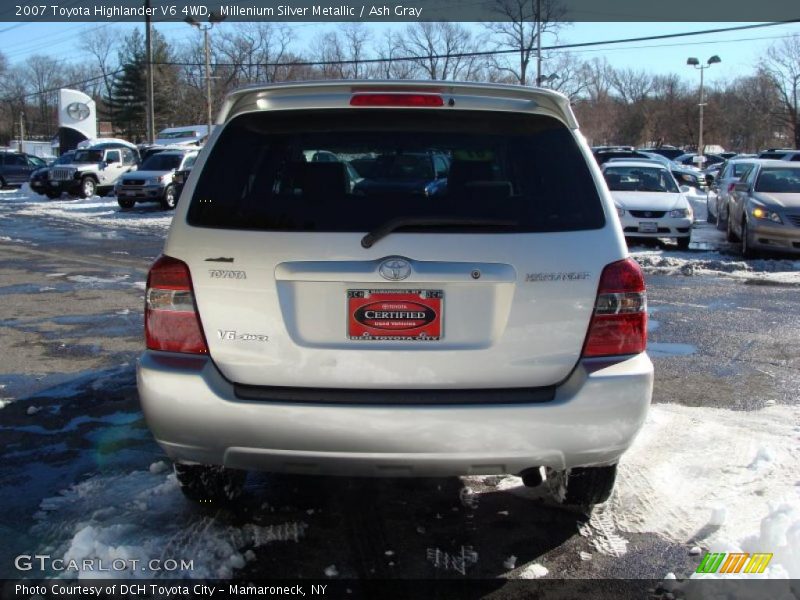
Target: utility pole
213	19
208	77
21	129
148	35
538	43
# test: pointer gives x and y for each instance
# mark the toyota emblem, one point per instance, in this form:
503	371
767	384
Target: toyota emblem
395	269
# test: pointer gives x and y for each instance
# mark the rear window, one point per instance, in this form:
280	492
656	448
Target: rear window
354	170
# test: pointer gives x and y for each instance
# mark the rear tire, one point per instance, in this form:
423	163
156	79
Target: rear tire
126	203
582	486
210	483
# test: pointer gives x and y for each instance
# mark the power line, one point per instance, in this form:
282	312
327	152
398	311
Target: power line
479	53
434	56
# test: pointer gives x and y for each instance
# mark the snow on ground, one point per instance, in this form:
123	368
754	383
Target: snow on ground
142	516
726	481
98	211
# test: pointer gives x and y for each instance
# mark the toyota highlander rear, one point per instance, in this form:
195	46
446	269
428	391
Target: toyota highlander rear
396	278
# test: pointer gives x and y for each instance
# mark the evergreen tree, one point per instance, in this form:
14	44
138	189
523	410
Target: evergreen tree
127	100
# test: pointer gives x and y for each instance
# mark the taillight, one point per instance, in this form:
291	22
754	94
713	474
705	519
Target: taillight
416	100
619	322
171	322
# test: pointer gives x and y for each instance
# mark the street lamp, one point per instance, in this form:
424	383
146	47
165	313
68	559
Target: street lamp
693	62
213	19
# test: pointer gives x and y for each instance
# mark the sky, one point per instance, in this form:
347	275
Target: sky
740	51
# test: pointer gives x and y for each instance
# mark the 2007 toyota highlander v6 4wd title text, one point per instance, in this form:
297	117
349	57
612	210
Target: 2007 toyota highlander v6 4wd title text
297	324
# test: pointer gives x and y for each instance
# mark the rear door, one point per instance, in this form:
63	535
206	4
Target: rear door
488	280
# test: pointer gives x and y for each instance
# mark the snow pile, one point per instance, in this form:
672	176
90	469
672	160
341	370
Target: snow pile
533	571
98	211
724	480
687	263
133	517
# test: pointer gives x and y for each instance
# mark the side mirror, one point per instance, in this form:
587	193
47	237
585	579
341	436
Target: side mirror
686	189
742	186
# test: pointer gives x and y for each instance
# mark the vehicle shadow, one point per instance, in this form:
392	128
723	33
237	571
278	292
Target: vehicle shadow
420	528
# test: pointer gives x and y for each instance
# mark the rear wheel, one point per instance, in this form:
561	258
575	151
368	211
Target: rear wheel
169	199
582	486
209	483
88	187
126	203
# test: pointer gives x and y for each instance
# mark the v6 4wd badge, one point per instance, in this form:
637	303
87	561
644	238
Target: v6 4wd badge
232	335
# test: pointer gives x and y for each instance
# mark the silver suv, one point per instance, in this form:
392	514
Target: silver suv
155	179
297	324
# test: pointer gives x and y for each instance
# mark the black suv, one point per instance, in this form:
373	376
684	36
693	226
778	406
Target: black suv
16	167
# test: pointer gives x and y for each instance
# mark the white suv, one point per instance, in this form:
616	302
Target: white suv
475	315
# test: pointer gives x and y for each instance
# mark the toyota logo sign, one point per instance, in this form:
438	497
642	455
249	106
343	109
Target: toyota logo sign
395	269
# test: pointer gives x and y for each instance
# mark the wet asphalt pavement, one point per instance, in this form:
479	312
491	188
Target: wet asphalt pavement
71	297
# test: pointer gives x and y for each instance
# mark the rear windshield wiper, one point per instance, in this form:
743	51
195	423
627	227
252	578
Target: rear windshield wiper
381	232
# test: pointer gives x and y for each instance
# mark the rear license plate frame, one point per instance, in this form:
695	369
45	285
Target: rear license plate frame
411	315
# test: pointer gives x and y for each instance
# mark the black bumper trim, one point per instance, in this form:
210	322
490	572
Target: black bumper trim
384	397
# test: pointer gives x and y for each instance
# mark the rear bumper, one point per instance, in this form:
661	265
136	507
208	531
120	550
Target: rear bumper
195	416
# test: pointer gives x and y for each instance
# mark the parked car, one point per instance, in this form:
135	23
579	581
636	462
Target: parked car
649	202
775	153
602	155
39	178
93	170
683	175
403	174
670	152
154	181
765	209
722	188
16	167
293	326
691	159
182	174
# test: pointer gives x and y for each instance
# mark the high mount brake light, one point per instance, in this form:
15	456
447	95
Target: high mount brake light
171	322
619	322
415	100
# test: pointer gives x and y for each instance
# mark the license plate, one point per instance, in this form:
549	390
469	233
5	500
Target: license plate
409	315
648	227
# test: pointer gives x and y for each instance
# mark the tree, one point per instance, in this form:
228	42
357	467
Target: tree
437	49
127	99
519	32
783	67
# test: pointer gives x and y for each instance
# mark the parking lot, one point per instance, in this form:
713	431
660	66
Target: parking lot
716	463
